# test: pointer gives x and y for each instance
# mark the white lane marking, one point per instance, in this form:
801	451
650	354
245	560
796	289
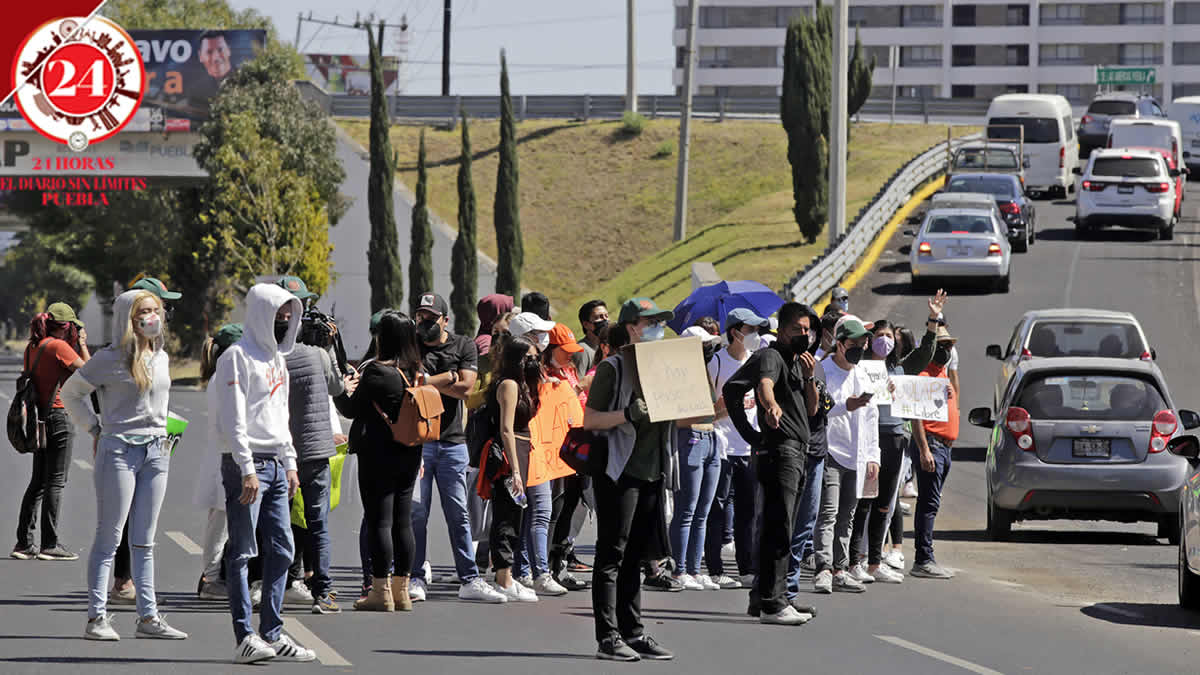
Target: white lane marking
1071	277
934	654
83	464
325	654
1117	610
1010	584
185	542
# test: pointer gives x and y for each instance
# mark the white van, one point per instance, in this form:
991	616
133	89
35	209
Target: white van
1165	135
1051	147
1186	111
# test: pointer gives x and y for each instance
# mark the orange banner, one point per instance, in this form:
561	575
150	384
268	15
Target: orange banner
559	411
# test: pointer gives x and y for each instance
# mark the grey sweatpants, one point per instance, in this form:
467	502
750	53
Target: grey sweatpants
835	522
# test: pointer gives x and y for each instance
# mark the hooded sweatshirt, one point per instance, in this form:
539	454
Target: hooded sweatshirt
490	308
126	412
251	383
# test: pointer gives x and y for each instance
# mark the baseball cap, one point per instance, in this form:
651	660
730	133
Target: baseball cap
228	335
296	286
746	316
154	286
432	302
642	308
373	324
561	336
697	331
851	328
62	312
839	293
526	322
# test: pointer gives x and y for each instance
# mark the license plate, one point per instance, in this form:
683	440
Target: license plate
1125	189
1091	447
962	252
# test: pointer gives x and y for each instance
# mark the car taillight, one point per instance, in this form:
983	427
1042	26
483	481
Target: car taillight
1026	355
1018	424
994	249
924	249
1010	207
1093	186
1086	119
1062	157
1158	187
1164	427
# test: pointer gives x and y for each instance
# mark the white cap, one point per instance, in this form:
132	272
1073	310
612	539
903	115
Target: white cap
526	322
697	331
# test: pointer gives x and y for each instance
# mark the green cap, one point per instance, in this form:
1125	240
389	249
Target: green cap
156	287
228	335
62	312
851	329
643	308
297	287
373	326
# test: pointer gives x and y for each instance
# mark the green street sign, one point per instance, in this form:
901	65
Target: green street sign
1132	75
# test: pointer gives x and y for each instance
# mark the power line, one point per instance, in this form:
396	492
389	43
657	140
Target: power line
558	21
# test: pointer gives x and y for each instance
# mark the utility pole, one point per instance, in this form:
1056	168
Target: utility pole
840	119
446	50
299	22
630	57
685	122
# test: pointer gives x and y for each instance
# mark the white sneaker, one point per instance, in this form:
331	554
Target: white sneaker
297	594
707	582
286	649
843	582
256	594
861	575
887	575
790	616
726	582
729	549
526	581
252	650
157	627
910	490
416	590
515	593
546	585
894	560
689	582
428	569
905	509
478	591
823	582
100	628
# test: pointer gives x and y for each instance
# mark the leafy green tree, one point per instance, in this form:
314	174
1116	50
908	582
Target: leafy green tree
805	111
509	242
464	260
383	249
33	275
861	73
420	266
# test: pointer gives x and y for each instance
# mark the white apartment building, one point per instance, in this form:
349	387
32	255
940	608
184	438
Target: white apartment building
975	49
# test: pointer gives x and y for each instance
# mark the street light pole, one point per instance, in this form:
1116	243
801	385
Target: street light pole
685	122
631	102
839	120
446	50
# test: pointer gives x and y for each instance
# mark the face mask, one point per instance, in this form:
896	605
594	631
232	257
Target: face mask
543	341
429	331
854	354
752	342
941	356
882	346
653	333
151	326
598	325
799	343
281	329
843	304
532	367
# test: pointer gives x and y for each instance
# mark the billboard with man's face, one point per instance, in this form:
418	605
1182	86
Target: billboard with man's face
184	68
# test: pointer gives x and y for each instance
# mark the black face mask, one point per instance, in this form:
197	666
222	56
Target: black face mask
598	325
798	344
854	354
532	367
429	331
281	329
941	356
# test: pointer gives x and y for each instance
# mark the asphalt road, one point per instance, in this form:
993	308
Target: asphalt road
1062	598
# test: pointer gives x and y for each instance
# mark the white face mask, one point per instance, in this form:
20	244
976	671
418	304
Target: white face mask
151	325
543	341
752	342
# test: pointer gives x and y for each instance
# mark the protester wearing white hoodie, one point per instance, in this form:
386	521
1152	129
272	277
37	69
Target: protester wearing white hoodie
258	468
132	378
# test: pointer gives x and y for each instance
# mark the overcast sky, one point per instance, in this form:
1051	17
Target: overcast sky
554	46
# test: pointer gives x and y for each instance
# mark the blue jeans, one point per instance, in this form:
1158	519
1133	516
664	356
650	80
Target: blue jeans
806	521
929	496
699	473
315	482
447	463
131	481
271	515
536	528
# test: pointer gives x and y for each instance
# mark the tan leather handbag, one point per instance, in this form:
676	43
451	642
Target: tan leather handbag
420	418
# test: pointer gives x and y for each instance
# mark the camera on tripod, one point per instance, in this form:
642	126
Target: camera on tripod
316	329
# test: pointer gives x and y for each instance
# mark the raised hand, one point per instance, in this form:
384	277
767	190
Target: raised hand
937	303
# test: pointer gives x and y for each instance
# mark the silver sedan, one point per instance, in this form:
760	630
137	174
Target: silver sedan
968	243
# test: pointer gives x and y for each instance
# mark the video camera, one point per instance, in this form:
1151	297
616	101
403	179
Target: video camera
320	330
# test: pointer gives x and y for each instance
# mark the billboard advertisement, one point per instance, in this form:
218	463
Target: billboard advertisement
351	73
184	68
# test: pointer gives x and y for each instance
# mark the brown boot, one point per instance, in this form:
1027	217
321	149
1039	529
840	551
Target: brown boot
400	594
379	598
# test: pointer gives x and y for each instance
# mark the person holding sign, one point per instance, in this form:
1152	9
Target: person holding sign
933	441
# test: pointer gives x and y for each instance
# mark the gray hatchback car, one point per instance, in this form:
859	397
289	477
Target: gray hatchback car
1084	439
1093	126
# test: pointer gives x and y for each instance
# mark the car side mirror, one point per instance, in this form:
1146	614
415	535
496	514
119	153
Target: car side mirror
1153	354
993	352
1184	446
982	417
1186	154
1174	173
1077	171
1185	171
1189	419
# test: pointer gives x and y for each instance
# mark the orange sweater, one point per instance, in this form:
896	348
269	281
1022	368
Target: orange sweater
947	430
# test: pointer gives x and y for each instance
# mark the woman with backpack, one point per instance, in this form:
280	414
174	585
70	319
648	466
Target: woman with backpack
57	347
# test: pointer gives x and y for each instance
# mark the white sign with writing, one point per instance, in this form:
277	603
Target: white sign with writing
921	398
674	379
877	374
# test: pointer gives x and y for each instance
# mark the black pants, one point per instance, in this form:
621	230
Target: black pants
47	483
871	517
628	513
745	499
386	480
781	473
508	521
562	513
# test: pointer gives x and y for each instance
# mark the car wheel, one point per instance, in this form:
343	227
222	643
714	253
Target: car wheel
917	283
1167	233
999	522
1021	246
1032	234
1168	528
1189	584
1004	283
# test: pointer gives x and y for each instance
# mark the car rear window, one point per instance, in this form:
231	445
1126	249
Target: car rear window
1134	167
1143	135
960	223
999	187
1113	107
981	158
1037	129
1090	396
1050	339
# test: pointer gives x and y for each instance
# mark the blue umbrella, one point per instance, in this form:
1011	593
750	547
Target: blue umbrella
718	300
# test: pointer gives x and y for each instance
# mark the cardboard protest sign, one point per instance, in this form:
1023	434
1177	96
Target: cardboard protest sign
674	379
559	411
921	398
876	372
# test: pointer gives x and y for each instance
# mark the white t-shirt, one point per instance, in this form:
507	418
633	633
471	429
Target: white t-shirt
952	364
729	441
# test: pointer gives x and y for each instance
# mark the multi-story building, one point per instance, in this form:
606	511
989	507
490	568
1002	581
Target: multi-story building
975	49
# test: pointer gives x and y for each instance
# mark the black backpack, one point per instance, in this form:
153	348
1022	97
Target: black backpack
26	428
481	427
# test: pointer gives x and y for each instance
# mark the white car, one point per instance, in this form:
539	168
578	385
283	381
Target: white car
1127	187
963	238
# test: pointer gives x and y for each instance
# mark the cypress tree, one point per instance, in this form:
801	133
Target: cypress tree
464	263
509	244
383	250
861	72
805	110
420	265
